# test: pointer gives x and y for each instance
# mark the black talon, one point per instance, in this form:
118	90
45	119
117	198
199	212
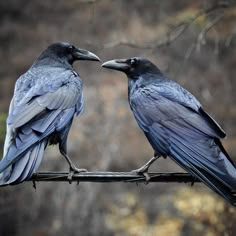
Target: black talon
74	170
34	184
69	177
144	169
147	177
193	181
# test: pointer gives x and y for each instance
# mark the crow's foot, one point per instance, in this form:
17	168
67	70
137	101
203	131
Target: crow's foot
74	170
144	169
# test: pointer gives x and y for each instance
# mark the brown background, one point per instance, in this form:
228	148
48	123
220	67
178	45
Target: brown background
106	137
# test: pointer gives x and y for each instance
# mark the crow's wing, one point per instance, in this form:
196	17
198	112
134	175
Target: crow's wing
170	93
63	97
35	117
176	125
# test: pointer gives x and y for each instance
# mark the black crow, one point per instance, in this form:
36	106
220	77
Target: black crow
176	125
45	100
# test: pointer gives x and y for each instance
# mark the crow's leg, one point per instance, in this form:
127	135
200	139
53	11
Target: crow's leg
73	168
144	169
63	149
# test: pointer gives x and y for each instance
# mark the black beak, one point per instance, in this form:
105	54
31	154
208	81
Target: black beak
117	64
82	54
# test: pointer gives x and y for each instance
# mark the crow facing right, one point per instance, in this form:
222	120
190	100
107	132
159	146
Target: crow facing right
176	125
41	112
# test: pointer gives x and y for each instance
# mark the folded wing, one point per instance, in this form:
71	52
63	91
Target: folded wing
176	125
30	123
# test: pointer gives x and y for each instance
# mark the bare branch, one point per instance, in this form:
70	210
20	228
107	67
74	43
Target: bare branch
201	37
205	30
230	37
88	1
189	51
175	33
164	41
102	177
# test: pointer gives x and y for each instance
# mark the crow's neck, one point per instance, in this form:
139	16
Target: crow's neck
138	81
52	61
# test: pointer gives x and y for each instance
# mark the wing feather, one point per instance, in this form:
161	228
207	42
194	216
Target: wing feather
63	98
176	125
160	103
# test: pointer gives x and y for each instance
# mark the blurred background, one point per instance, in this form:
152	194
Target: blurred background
194	42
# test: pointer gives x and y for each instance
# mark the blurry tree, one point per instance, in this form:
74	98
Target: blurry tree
194	42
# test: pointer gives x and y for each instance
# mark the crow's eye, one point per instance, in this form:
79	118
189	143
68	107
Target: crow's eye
133	61
71	48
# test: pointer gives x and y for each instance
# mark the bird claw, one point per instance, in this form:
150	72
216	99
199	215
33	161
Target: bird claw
193	181
147	177
34	184
69	177
74	170
143	171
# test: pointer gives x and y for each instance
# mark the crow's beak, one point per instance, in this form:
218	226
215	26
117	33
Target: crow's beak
82	54
117	64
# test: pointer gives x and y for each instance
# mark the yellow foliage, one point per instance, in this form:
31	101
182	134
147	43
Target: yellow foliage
187	15
130	219
203	207
201	211
166	225
127	220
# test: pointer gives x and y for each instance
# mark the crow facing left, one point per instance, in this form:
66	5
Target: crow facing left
176	125
41	112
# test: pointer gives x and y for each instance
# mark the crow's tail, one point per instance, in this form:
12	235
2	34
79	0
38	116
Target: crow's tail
208	163
25	166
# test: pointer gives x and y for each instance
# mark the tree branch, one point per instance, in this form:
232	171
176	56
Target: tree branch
173	34
164	41
201	37
101	177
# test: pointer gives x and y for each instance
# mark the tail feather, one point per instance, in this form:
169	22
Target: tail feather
220	182
213	161
18	169
16	157
33	155
24	168
24	153
22	145
37	160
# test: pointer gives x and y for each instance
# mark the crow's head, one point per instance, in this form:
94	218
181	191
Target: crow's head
132	67
68	53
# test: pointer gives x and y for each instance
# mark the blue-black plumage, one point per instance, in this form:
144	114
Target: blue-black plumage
176	125
45	100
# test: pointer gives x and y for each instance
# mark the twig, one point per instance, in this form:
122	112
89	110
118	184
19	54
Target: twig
201	37
88	1
173	34
230	37
101	177
166	40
